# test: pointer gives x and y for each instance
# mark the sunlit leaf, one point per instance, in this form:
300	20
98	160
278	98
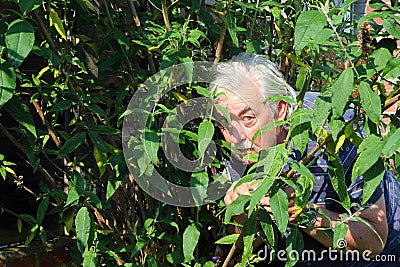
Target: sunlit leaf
19	40
371	102
309	24
82	223
336	174
341	91
392	144
57	23
190	240
226	240
7	81
339	235
231	26
279	207
205	134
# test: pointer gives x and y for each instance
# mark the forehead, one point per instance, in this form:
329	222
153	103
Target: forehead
247	96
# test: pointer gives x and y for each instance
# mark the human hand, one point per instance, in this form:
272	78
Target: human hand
233	193
292	209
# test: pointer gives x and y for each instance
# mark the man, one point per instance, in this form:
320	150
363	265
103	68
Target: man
247	81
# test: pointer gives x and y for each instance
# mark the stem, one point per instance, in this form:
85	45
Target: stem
164	10
307	157
46	123
220	43
12	139
231	252
134	13
341	43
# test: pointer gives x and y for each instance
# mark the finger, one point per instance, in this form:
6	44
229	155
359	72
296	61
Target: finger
265	201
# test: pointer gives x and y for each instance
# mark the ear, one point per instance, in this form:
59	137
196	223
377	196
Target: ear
281	110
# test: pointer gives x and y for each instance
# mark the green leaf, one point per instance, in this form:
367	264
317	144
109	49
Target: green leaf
267	226
392	27
371	102
309	24
97	110
41	211
392	70
373	147
231	26
19	225
304	184
90	258
301	78
279	207
198	186
113	184
227	240
7	81
62	105
105	130
19	39
260	192
151	143
339	235
94	199
82	224
97	141
57	23
237	207
300	124
381	58
372	178
392	144
72	143
205	134
336	174
321	110
294	242
20	112
249	230
341	91
267	127
225	113
27	6
190	240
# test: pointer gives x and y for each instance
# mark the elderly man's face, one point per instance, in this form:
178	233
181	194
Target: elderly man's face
249	113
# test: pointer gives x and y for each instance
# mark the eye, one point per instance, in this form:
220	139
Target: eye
248	120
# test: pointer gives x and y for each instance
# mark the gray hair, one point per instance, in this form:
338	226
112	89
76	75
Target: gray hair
259	70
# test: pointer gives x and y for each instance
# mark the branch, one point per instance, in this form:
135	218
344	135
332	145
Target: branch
164	10
12	139
231	252
220	43
134	13
46	123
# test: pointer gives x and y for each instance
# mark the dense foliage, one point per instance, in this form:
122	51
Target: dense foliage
91	56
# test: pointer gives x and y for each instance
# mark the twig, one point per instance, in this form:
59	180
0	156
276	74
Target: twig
165	15
12	139
231	252
156	7
134	13
46	123
307	157
220	43
45	32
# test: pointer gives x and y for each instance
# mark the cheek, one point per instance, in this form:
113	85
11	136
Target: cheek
226	135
